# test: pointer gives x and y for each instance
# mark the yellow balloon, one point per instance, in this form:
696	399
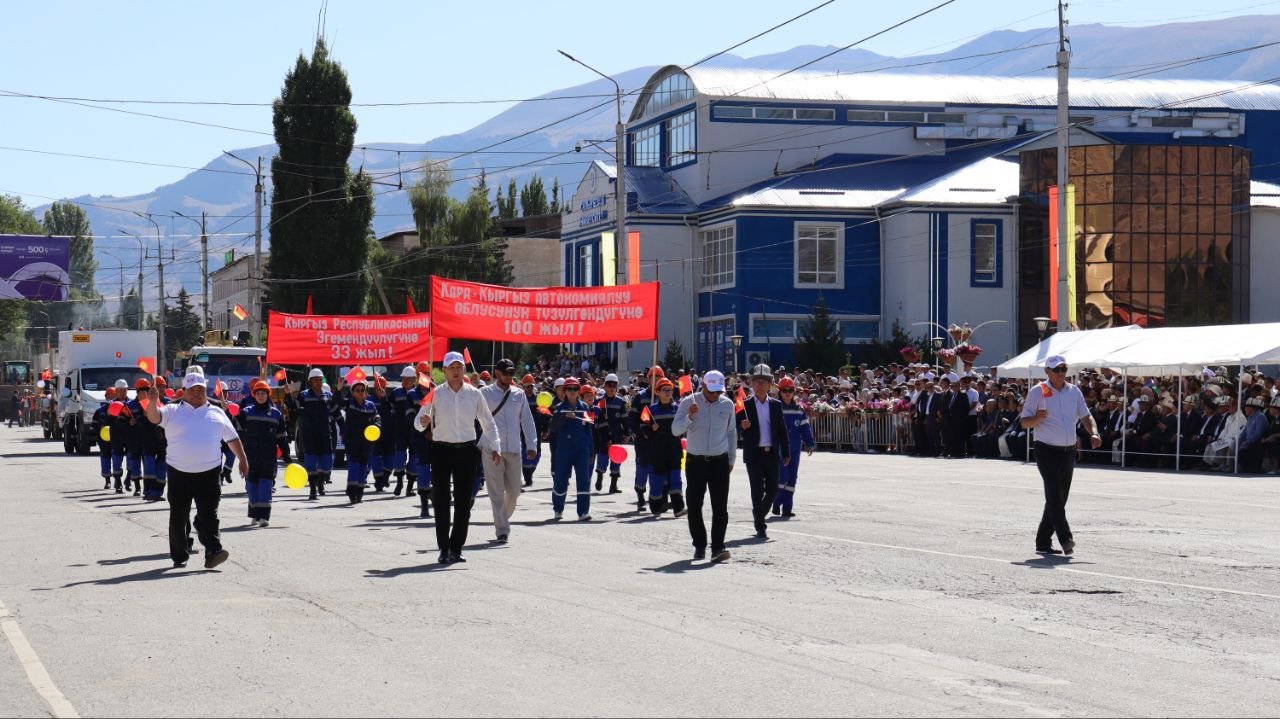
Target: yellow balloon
682	458
105	434
545	399
372	433
295	476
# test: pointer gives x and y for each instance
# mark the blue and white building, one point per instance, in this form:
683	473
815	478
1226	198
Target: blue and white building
893	197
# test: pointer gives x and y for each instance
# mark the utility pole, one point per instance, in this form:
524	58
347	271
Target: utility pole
206	318
1065	234
255	279
160	324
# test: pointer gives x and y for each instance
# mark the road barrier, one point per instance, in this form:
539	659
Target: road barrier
862	431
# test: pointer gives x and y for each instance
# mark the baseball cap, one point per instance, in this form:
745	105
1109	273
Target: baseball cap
1055	361
505	366
714	381
559	382
194	380
452	357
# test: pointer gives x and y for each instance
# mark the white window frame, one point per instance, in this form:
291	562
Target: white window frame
731	262
980	275
644	136
683	126
838	282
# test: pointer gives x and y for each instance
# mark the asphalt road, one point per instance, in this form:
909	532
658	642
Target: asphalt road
902	587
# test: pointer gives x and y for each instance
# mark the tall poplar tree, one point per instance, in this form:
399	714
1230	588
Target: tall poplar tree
68	219
321	214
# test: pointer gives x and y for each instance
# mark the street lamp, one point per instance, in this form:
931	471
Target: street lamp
204	268
737	345
937	350
1042	327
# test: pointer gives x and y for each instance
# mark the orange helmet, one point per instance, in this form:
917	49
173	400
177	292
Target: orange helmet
423	368
486	376
161	382
664	383
258	384
656	371
110	393
787	383
527	379
142	383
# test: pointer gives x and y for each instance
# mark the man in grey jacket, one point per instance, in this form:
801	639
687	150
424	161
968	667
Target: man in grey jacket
503	475
707	418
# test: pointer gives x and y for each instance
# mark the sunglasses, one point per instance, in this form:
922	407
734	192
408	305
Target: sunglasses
787	391
1058	370
570	389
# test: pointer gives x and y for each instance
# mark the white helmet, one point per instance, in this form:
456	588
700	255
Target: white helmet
315	373
121	385
559	382
408	372
196	369
611	377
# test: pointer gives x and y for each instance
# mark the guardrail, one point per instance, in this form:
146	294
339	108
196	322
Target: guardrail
862	431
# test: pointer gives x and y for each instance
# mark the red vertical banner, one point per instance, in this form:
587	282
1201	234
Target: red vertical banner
1053	253
633	258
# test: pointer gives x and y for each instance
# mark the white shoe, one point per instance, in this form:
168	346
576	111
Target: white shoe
559	516
584	517
262	523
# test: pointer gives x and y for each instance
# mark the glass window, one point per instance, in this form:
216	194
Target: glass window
772	329
984	252
682	138
865	116
775	113
717	257
818	256
646	146
732	112
586	266
803	113
892	116
671	90
948	118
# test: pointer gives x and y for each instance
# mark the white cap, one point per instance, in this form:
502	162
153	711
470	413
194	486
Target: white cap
611	377
1055	361
952	377
315	373
408	372
193	380
452	357
559	382
714	381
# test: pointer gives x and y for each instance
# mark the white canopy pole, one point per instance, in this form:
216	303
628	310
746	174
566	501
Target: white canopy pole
1177	460
1124	408
1239	408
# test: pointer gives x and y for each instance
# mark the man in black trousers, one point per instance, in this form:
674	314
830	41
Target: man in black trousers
765	444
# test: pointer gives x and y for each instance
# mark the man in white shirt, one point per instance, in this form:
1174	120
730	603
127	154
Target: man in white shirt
503	476
195	431
452	414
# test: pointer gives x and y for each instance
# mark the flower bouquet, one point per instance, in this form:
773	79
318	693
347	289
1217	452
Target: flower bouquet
910	354
967	352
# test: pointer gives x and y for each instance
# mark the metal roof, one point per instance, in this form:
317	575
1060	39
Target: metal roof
986	182
895	88
1264	194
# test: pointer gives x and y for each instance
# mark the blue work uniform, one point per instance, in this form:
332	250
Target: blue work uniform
315	415
643	445
359	415
404	407
382	455
120	431
800	433
110	462
418	466
263	434
144	448
540	422
574	445
609	431
665	453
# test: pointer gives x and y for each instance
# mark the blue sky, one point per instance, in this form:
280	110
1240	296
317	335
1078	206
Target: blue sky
399	50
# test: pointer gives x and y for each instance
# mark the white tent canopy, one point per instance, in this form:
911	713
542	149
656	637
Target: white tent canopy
1075	346
1161	351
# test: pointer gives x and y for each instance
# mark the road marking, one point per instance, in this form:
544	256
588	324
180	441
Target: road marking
36	673
1118	496
1054	567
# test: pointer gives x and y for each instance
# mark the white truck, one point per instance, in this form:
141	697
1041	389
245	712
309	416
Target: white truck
90	361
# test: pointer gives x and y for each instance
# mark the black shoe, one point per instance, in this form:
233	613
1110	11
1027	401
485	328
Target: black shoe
128	483
443	558
700	553
720	556
1068	546
179	565
216	558
788	514
1048	550
502	539
762	534
777	511
456	558
599	481
107	484
399	486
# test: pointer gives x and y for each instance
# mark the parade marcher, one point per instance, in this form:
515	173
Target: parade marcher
572	426
195	431
557	389
766	444
109	462
609	431
541	419
706	418
316	408
800	436
263	434
120	431
360	413
145	445
452	414
1052	409
382	455
643	442
664	452
404	405
516	429
418	468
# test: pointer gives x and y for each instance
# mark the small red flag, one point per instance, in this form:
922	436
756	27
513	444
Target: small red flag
646	416
147	364
281	375
239	311
466	356
602	405
310	309
408	305
427	399
686	385
739	402
356	375
217	388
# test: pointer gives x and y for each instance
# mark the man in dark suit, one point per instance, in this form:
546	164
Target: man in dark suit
932	425
957	420
765	444
919	410
1110	423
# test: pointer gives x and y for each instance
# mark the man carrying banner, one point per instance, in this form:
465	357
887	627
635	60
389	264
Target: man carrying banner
316	409
452	414
571	426
516	429
707	418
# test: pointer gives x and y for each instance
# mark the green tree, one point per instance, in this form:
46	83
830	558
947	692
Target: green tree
16	219
674	357
820	345
182	325
130	316
321	216
67	219
533	198
507	205
556	206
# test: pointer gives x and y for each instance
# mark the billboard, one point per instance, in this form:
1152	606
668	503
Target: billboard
34	267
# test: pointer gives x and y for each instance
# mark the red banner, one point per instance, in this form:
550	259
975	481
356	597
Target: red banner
545	315
351	339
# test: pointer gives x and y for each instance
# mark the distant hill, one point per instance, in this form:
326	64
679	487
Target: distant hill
1098	51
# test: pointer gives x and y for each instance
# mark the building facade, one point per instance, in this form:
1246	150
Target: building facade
228	287
914	200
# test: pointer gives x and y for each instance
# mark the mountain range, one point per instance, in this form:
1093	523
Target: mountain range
1211	47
